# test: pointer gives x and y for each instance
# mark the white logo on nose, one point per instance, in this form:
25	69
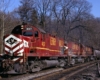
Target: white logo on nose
12	41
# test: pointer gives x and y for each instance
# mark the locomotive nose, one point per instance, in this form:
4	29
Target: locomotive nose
12	44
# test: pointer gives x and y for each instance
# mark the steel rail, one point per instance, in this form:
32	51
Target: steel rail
69	72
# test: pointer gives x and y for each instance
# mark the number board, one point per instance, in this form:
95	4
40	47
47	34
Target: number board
60	43
75	47
52	41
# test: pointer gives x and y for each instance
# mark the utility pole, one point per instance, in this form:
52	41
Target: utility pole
80	39
2	34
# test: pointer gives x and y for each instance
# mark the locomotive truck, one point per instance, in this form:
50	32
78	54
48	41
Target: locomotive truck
30	49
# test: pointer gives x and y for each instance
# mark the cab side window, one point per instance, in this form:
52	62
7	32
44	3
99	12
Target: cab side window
36	34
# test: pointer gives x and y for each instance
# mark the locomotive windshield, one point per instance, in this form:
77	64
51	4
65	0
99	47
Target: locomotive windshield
27	33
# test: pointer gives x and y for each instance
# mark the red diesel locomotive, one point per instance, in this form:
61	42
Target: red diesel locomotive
31	49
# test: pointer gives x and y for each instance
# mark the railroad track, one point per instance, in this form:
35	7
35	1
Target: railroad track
54	74
67	73
29	76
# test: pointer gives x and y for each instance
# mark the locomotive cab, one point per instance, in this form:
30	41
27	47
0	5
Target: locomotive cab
25	31
28	31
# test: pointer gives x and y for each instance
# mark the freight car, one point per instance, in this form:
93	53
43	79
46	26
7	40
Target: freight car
31	49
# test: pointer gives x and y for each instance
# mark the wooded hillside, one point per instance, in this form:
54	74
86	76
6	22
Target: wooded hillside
69	19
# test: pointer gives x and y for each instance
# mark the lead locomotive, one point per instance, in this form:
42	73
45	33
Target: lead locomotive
29	49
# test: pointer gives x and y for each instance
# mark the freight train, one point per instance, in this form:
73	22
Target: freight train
30	49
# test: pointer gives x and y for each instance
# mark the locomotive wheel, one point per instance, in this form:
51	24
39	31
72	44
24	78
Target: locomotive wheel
19	68
22	69
34	69
62	63
72	62
34	66
83	61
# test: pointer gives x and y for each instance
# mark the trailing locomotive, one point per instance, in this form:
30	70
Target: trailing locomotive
31	49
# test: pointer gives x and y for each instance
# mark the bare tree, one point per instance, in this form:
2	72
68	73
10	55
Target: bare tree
34	18
3	7
25	10
78	13
69	14
43	8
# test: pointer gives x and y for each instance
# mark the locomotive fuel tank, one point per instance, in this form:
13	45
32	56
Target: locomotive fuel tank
51	63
